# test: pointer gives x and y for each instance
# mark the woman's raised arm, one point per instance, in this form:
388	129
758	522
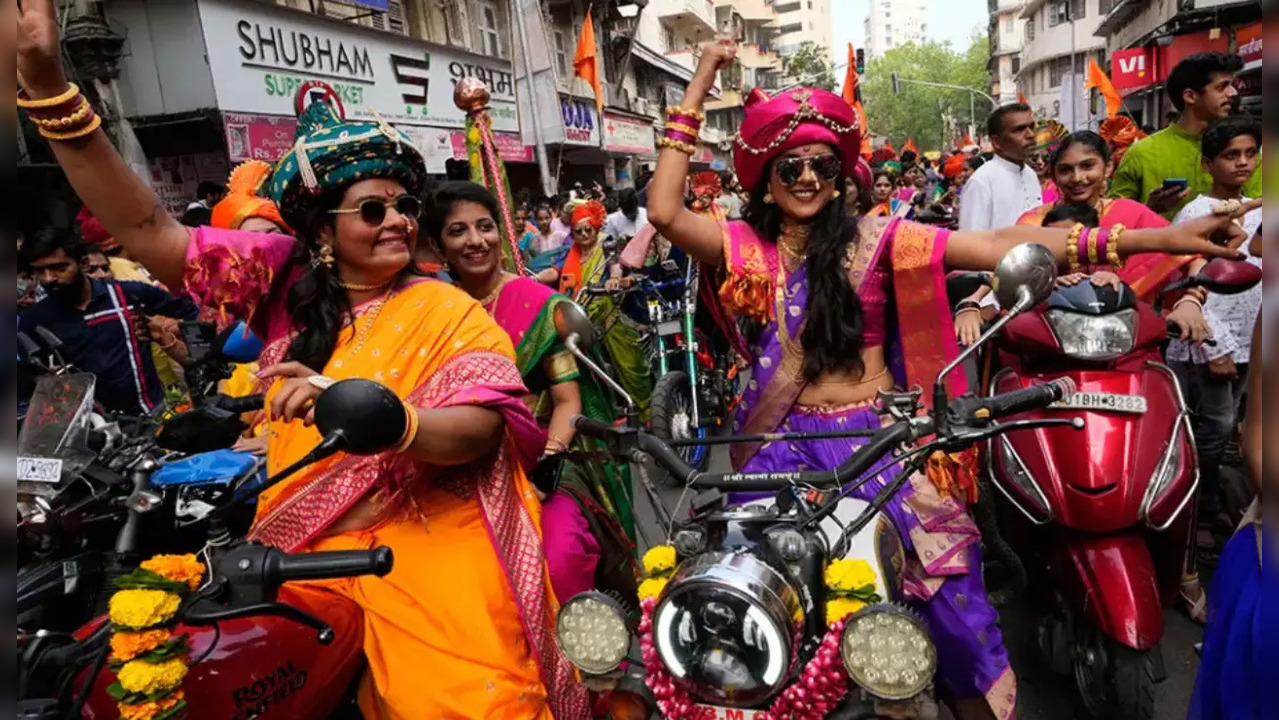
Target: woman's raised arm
696	235
125	205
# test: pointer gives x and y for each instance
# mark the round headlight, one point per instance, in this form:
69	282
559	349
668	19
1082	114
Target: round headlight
592	633
888	651
725	628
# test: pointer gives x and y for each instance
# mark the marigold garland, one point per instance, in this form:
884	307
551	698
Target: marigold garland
659	565
850	586
150	663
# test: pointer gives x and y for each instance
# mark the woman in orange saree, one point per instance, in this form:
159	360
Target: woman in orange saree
1081	167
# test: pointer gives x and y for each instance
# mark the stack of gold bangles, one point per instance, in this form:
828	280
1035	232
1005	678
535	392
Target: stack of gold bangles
682	128
1094	244
68	116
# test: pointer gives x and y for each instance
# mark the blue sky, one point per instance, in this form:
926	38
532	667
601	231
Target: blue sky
953	20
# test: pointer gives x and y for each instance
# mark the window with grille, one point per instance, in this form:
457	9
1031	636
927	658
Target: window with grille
563	61
1061	67
1030	30
1010	24
490	37
1016	64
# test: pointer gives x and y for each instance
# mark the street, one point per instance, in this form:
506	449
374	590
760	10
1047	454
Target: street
1041	695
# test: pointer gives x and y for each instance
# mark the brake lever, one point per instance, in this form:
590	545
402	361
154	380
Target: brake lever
207	612
968	439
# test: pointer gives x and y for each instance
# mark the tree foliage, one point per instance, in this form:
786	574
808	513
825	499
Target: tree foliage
810	65
925	113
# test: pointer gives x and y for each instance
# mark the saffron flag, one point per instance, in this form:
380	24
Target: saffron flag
1097	78
910	146
1021	98
586	63
851	81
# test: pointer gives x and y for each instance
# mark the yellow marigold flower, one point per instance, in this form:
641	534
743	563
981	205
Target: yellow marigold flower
145	677
849	574
659	559
127	645
141	609
150	709
652	588
840	608
178	568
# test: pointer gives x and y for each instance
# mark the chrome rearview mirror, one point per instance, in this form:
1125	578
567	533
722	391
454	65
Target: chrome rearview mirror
1025	277
571	320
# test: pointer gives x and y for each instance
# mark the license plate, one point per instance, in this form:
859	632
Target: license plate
670	327
1104	402
41	470
723	713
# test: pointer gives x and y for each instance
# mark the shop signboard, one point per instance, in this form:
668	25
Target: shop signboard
509	147
1248	44
258	137
626	136
581	121
1132	69
1183	46
261	55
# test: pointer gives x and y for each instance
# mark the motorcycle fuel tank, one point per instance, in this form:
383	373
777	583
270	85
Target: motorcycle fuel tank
265	667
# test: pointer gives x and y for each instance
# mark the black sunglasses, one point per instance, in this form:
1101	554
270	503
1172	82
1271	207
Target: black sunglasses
826	167
373	211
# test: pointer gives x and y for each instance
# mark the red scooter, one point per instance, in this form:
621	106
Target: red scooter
1102	518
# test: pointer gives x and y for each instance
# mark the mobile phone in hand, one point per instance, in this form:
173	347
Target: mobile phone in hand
1175	183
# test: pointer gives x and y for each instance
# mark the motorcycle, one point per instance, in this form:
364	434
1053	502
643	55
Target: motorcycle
1102	519
741	624
252	640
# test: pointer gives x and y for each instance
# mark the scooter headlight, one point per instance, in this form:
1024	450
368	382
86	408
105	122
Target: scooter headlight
592	633
1094	337
888	651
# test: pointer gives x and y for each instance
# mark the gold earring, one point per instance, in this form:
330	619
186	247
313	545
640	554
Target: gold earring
768	198
326	257
838	193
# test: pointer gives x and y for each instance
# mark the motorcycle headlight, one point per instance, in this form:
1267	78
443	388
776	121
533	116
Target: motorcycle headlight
592	633
726	627
1094	337
888	651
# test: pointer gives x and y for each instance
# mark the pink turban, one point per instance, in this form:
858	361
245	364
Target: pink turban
792	119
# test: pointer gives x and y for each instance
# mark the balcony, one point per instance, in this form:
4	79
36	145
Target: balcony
756	11
755	56
729	99
695	17
683	58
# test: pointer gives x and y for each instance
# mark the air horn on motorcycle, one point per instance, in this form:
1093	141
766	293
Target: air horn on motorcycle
1024	278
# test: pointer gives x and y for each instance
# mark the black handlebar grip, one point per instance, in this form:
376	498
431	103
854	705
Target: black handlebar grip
1027	399
327	565
591	428
51	341
29	346
241	405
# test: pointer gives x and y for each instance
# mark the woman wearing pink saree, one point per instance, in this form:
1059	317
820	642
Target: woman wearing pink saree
1081	167
839	310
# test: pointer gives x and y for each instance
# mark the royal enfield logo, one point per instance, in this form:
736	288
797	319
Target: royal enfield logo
257	699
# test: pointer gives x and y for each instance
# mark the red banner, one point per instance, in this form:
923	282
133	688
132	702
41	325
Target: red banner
1248	42
1183	46
1132	69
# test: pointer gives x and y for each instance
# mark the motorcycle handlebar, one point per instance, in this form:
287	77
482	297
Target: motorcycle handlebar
282	567
1024	400
242	405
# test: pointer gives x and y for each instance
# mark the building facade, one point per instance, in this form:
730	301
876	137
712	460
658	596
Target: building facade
801	21
1146	39
891	23
1058	40
1005	32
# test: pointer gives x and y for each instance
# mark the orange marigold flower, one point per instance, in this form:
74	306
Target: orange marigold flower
127	645
152	708
178	568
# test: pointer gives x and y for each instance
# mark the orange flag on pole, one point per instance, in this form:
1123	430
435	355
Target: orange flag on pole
910	146
586	63
1097	78
851	81
1021	98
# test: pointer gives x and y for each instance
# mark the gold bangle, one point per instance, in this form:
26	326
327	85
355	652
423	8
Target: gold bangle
677	110
1093	237
1072	247
81	115
562	367
413	424
683	147
680	127
27	103
1112	248
93	125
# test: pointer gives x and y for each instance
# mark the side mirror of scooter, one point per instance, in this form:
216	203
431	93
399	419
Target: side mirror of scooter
571	320
1227	277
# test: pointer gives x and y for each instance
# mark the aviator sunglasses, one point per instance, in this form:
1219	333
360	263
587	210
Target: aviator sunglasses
826	167
373	211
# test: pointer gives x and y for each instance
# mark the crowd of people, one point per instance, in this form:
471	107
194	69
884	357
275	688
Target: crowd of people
349	264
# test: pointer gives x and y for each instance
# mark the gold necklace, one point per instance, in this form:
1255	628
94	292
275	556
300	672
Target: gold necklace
363	287
794	241
363	333
492	297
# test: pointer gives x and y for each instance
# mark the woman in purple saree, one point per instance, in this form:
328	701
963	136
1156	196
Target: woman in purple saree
839	311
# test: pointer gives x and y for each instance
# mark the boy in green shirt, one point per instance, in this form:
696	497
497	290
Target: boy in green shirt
1202	89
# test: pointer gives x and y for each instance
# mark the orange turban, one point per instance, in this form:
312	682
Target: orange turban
954	166
1120	132
592	211
242	201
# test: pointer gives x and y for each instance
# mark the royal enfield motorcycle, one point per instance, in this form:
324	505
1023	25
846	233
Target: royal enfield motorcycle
740	629
253	637
1102	519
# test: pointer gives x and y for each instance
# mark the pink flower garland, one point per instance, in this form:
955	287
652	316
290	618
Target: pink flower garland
821	686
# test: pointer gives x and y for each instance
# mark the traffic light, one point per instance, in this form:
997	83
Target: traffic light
861	61
897	85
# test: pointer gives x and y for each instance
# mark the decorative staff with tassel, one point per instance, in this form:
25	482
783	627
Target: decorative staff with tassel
472	97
